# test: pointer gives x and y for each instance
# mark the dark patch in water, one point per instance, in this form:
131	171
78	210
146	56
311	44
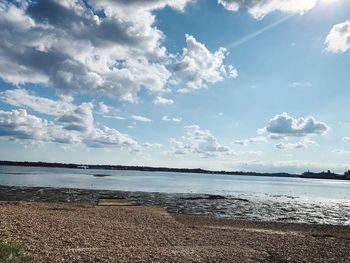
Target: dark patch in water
101	175
207	197
13	173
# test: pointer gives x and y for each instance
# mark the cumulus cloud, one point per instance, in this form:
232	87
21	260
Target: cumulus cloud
198	67
73	124
260	8
174	119
338	39
162	101
23	98
19	125
24	127
140	118
66	44
283	125
198	141
80	119
305	143
108	47
108	137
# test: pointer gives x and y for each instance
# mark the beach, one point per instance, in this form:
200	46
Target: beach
276	208
81	231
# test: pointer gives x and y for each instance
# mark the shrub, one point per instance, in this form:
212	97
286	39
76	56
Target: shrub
13	252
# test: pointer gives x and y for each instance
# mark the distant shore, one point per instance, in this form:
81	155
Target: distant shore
310	175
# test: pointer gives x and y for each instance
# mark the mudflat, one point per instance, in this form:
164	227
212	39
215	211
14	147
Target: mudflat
78	232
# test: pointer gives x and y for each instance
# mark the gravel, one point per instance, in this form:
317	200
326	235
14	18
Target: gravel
83	232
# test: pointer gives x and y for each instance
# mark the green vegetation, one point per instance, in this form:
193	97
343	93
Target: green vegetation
13	252
274	258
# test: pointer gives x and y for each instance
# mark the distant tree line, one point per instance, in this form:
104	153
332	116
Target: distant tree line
326	175
321	175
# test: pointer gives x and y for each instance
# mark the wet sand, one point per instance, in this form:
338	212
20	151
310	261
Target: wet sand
272	208
78	232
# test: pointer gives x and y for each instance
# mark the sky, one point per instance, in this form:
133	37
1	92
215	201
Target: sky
224	85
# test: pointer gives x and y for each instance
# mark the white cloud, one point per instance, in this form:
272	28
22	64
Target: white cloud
73	124
283	126
140	118
18	124
257	140
346	139
103	108
338	39
66	45
114	117
80	119
22	98
107	111
148	145
166	118
198	67
260	8
163	101
174	119
128	8
230	5
198	141
107	137
21	126
305	143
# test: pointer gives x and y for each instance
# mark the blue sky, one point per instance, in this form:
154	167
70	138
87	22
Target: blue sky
228	84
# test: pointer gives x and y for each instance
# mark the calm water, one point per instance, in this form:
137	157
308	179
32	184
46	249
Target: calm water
254	186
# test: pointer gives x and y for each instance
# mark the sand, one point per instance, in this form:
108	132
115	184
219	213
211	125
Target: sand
77	232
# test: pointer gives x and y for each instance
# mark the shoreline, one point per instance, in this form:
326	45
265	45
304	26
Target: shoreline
67	225
83	232
282	209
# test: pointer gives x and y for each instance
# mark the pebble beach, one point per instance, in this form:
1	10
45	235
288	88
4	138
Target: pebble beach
79	230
